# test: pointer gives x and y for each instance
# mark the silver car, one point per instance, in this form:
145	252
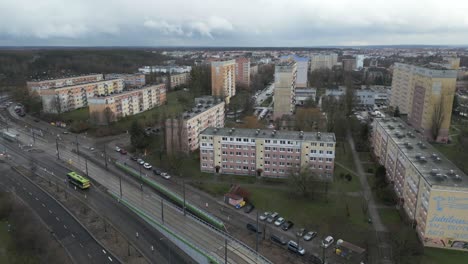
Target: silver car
264	216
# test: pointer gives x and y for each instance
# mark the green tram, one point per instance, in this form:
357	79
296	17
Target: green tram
78	180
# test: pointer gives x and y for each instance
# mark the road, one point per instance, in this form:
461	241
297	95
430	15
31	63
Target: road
262	96
80	245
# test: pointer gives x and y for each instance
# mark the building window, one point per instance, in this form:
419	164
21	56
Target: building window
329	152
282	142
322	144
239	139
267	141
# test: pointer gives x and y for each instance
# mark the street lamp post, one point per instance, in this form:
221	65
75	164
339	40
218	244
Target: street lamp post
86	164
105	156
162	210
183	184
57	146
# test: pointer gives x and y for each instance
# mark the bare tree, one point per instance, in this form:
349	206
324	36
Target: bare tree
438	117
302	181
108	115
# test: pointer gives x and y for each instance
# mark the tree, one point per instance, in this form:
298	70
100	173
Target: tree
396	113
350	99
438	117
302	181
138	138
108	115
380	173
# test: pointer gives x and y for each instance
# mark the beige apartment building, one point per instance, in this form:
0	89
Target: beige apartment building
182	134
179	79
420	92
243	71
285	85
223	79
432	191
109	108
68	98
39	85
267	153
323	61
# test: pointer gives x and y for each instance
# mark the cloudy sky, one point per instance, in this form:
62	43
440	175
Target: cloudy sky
233	22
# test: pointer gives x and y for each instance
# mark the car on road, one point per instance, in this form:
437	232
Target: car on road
279	221
134	158
165	175
117	149
264	216
123	152
253	228
287	225
301	232
278	240
140	161
310	235
249	208
147	166
327	241
91	148
294	247
156	172
271	218
65	132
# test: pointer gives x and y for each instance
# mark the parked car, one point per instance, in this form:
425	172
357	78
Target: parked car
310	235
117	149
165	175
147	166
279	221
123	152
156	172
272	217
253	228
294	247
327	241
141	162
249	208
287	225
66	132
301	232
264	216
134	158
278	240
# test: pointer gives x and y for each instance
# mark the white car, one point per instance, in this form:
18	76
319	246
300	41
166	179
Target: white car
264	216
117	149
147	166
165	175
279	221
327	241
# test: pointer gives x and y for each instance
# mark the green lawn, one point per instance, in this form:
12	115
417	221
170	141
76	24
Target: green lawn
455	153
4	242
344	155
8	253
443	256
81	114
390	218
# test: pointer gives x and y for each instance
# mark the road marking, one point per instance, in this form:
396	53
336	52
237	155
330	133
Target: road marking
110	259
37	199
24	188
43	205
89	256
103	251
65	226
50	211
81	245
30	193
73	235
57	218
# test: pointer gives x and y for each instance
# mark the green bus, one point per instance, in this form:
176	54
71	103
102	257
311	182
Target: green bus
78	180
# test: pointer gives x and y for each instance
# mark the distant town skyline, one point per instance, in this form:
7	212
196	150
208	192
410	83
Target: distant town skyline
251	23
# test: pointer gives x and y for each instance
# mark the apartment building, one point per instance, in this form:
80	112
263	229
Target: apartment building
432	191
179	79
285	85
304	94
164	69
39	85
302	65
67	98
349	64
108	108
182	134
323	61
420	92
131	80
243	71
223	79
267	153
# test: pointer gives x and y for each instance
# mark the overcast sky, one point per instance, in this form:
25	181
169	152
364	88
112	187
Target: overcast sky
233	22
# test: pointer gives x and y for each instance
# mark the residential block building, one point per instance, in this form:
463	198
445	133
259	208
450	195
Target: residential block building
164	69
323	61
39	85
67	98
179	79
302	65
304	94
182	134
223	79
349	65
420	92
268	153
285	85
243	71
104	109
131	80
432	191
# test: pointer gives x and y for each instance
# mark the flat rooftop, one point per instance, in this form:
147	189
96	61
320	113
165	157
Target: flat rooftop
433	166
202	104
86	83
268	133
65	77
126	91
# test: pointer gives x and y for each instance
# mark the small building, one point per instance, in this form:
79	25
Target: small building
304	94
348	250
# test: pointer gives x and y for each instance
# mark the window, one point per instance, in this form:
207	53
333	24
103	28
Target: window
204	151
238	147
313	144
329	152
274	163
275	141
322	144
203	137
281	164
267	155
204	144
329	145
267	162
281	156
238	153
231	153
204	165
231	139
274	170
267	169
267	148
282	142
274	156
313	151
224	160
320	159
246	140
252	140
267	141
313	158
290	142
320	151
282	149
245	168
224	145
239	139
274	149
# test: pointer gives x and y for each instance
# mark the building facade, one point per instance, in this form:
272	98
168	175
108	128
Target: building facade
431	190
131	80
423	93
284	91
304	94
243	71
223	79
38	85
323	61
349	65
179	79
63	99
267	153
164	69
109	108
182	134
302	65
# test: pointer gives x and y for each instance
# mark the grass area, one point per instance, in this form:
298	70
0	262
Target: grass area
342	184
390	218
81	114
455	153
443	256
267	102
8	253
215	189
344	155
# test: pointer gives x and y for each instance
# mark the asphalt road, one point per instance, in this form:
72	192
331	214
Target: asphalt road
77	241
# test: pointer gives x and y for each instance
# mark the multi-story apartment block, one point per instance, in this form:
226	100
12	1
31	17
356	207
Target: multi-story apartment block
243	71
421	92
67	98
304	94
253	69
285	85
38	85
432	191
108	108
182	134
131	80
349	65
164	69
223	79
323	61
302	65
267	153
179	79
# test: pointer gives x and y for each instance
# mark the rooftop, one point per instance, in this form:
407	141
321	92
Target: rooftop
64	77
286	63
268	133
86	83
201	105
123	92
433	166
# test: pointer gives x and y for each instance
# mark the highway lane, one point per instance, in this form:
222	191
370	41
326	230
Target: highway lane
78	242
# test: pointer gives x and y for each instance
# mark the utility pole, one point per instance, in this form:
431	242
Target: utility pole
105	156
86	164
162	210
183	185
225	250
120	184
77	150
56	145
256	236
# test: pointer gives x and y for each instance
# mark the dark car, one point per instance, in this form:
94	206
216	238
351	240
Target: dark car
287	225
278	240
301	232
253	228
249	208
123	152
156	172
134	158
